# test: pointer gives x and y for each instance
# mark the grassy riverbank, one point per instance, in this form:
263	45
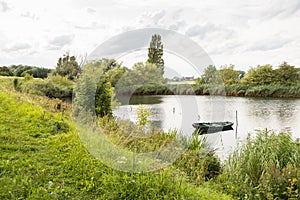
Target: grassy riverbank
42	158
59	87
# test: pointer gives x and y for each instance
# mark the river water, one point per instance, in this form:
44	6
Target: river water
248	115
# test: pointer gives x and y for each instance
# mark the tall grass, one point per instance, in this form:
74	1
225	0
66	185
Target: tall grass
265	167
228	90
199	163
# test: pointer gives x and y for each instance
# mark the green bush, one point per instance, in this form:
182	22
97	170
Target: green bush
198	162
53	87
266	167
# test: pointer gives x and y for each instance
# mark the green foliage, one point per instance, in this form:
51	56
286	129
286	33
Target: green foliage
93	91
142	115
198	162
261	75
5	71
266	167
211	76
22	70
28	77
237	90
84	90
146	73
114	75
287	74
67	66
103	98
131	136
37	72
19	69
155	52
229	75
55	86
140	75
109	64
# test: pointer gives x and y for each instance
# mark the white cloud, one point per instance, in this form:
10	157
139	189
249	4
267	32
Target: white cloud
91	10
201	30
152	18
60	41
281	8
18	47
30	15
177	26
269	44
93	25
245	33
4	7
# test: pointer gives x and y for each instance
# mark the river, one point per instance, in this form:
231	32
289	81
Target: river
248	115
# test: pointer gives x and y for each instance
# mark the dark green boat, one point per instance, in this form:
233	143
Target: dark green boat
212	127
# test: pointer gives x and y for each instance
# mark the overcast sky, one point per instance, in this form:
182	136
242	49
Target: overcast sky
244	33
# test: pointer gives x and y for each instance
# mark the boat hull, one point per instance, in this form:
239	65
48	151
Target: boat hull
203	128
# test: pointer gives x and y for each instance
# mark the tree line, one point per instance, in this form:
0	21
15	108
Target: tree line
285	74
147	77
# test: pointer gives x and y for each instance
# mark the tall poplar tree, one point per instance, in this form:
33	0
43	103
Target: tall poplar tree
155	52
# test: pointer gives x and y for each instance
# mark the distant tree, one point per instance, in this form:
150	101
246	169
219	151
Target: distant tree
114	75
109	64
211	76
37	72
19	69
67	66
261	75
142	73
93	91
85	87
22	70
229	75
5	71
155	52
287	74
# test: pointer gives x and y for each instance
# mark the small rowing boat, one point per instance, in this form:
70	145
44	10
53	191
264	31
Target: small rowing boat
212	127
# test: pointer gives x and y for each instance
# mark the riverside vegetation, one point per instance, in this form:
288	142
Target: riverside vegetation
42	156
146	79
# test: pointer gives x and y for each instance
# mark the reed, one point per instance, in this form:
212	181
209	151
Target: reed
264	167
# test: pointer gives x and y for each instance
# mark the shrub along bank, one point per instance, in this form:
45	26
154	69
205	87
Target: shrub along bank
241	90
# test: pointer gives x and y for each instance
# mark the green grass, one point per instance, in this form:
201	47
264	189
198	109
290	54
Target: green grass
265	167
42	158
